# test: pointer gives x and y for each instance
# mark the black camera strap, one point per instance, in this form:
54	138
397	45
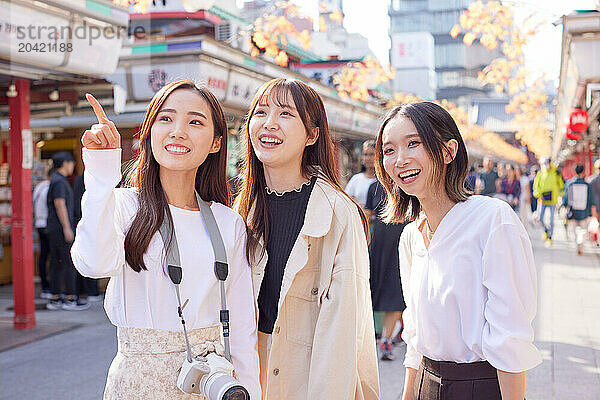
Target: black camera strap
221	267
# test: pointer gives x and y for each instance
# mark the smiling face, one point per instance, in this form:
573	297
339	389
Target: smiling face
277	133
405	158
182	135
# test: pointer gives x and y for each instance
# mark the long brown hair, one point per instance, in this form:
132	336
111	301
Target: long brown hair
435	127
211	179
317	159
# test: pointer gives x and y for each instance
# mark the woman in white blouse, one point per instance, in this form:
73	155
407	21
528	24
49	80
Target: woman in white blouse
467	267
183	144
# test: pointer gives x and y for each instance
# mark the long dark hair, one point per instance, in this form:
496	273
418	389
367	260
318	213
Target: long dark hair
435	127
317	159
211	178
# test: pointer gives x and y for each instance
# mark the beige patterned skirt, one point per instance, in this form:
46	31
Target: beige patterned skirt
149	360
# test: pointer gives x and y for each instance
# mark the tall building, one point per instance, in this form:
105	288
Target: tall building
452	73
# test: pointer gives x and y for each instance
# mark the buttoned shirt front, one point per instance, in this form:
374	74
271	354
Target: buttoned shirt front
472	294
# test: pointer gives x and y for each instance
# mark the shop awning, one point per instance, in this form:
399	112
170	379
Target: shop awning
579	78
61	37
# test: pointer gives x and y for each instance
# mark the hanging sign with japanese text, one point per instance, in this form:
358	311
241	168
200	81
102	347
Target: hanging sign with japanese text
578	121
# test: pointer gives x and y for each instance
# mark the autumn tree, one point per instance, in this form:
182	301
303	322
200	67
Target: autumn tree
271	33
139	6
493	25
357	77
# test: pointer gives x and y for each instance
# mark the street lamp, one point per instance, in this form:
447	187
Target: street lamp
12	91
54	95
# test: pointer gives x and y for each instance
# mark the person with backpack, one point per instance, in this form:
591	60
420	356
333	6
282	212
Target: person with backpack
579	200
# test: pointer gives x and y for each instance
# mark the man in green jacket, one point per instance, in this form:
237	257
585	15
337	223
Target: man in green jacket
547	186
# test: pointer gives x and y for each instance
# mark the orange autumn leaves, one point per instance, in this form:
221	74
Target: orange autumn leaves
493	24
273	32
326	13
139	6
531	116
356	78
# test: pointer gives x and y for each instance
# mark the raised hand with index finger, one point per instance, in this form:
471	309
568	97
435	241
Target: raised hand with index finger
104	134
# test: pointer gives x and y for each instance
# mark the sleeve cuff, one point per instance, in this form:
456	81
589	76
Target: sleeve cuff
412	358
519	358
104	165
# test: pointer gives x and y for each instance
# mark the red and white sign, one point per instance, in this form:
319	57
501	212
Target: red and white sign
578	122
412	50
570	135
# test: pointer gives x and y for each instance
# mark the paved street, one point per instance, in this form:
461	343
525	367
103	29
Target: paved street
72	363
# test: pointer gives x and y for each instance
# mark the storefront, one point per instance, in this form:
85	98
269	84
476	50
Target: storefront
576	134
234	77
49	51
123	79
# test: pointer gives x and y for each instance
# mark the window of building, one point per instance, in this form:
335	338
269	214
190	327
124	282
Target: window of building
434	5
450	55
417	22
445	20
409	5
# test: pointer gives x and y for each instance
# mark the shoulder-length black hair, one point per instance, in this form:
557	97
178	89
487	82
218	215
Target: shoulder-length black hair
435	127
211	178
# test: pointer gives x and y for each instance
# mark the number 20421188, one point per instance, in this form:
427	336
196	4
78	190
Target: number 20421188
45	47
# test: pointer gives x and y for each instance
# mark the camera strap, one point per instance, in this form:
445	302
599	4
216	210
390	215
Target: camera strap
221	267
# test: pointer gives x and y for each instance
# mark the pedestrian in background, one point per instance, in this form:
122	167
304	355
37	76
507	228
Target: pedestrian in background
386	288
548	185
579	200
501	169
510	187
594	182
533	202
60	229
471	181
469	307
488	178
308	253
359	184
525	196
86	285
40	213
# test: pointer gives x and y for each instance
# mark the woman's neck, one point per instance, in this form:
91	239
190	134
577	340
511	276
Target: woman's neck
435	208
370	173
179	187
282	179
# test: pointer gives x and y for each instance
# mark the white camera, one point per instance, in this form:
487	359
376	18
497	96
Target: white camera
212	377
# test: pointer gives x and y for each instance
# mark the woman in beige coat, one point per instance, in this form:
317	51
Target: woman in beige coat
307	247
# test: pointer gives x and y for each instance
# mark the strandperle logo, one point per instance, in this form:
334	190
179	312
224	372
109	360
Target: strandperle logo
43	33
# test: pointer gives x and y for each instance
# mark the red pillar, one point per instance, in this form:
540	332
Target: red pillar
588	160
21	154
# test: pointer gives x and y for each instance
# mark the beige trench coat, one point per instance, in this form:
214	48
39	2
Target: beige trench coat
323	343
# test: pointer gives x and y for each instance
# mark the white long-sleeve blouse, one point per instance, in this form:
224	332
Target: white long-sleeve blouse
472	295
147	299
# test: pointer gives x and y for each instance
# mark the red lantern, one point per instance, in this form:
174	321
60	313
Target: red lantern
578	121
570	135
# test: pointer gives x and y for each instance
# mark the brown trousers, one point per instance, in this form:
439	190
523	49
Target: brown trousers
446	380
